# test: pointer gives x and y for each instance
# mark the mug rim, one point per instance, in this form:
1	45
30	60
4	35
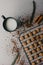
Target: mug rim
4	24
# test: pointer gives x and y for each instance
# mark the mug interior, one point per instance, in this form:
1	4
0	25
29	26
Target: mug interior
10	24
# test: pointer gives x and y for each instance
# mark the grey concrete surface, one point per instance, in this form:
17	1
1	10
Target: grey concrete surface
13	8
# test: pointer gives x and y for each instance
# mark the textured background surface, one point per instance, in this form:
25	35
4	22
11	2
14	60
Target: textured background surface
13	8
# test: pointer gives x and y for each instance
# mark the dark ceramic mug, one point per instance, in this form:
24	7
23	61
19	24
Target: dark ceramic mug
19	23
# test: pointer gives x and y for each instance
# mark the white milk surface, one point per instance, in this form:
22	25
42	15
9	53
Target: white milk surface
11	24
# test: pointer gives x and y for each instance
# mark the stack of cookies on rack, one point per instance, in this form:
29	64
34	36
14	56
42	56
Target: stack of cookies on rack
32	42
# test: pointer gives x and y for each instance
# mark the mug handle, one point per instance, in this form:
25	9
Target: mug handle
3	17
